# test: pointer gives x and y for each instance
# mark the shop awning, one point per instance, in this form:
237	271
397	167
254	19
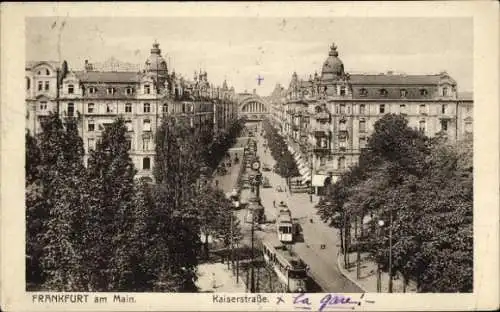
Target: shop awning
304	171
319	179
306	178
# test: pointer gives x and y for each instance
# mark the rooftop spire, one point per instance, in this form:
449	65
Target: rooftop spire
333	50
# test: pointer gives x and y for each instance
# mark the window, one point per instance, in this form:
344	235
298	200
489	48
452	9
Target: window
147	89
402	108
47	72
128	108
90	108
39	72
71	89
341	163
146	163
92	90
129	91
423	92
363	92
43	106
362	142
342	141
128	125
111	91
91	144
445	91
422	109
71	109
362	126
421	126
165	108
342	108
382	109
468	126
146	126
109	109
383	92
342	125
342	90
145	144
403	93
322	161
129	143
46	86
443	108
444	125
91	126
147	107
28	83
362	109
40	86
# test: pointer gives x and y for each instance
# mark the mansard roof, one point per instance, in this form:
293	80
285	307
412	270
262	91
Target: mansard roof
397	79
109	77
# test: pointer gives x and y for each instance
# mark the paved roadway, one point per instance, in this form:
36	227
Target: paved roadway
322	262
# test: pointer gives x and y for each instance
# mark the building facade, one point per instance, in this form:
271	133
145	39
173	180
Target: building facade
96	98
328	117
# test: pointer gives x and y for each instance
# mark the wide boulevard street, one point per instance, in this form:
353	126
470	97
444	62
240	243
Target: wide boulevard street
322	262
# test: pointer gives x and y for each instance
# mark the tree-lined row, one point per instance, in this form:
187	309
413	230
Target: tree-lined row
422	189
96	228
285	163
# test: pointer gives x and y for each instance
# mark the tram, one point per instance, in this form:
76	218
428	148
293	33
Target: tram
284	226
290	269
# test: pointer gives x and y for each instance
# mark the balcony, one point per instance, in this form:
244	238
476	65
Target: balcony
320	133
322	116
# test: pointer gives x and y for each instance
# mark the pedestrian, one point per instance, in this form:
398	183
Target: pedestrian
214	283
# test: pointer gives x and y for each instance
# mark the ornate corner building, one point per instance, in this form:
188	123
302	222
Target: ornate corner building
95	97
328	118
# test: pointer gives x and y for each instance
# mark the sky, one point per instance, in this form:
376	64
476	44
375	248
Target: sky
241	49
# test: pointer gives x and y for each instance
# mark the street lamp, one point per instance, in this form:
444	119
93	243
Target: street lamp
381	223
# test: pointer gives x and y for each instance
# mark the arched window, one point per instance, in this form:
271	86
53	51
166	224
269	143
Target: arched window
165	108
47	72
146	163
445	91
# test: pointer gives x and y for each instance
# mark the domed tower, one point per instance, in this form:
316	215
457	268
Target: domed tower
333	68
156	65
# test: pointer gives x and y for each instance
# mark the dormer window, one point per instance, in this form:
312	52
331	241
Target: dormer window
445	91
403	93
423	92
92	90
342	90
111	91
383	92
71	89
147	89
47	72
363	92
129	91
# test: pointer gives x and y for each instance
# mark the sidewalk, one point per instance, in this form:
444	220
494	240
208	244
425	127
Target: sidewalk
368	276
224	279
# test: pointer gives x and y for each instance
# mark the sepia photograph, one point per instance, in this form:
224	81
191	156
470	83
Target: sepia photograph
248	155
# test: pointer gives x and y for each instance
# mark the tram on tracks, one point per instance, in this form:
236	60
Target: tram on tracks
290	269
284	226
